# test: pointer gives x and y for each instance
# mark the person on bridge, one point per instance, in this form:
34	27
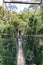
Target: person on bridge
19	35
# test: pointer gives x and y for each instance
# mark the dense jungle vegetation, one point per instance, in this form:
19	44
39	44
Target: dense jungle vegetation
30	22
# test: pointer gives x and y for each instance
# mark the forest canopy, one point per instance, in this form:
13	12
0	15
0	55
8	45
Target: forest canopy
30	22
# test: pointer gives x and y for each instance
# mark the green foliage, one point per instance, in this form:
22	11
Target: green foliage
29	24
9	49
33	49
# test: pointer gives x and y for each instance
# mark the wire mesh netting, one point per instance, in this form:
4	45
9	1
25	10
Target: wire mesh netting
30	46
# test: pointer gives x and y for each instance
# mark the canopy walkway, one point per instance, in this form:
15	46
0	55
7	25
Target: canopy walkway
20	56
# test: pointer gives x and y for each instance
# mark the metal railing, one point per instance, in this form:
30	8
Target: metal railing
20	2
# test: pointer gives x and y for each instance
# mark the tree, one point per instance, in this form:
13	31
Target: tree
33	49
